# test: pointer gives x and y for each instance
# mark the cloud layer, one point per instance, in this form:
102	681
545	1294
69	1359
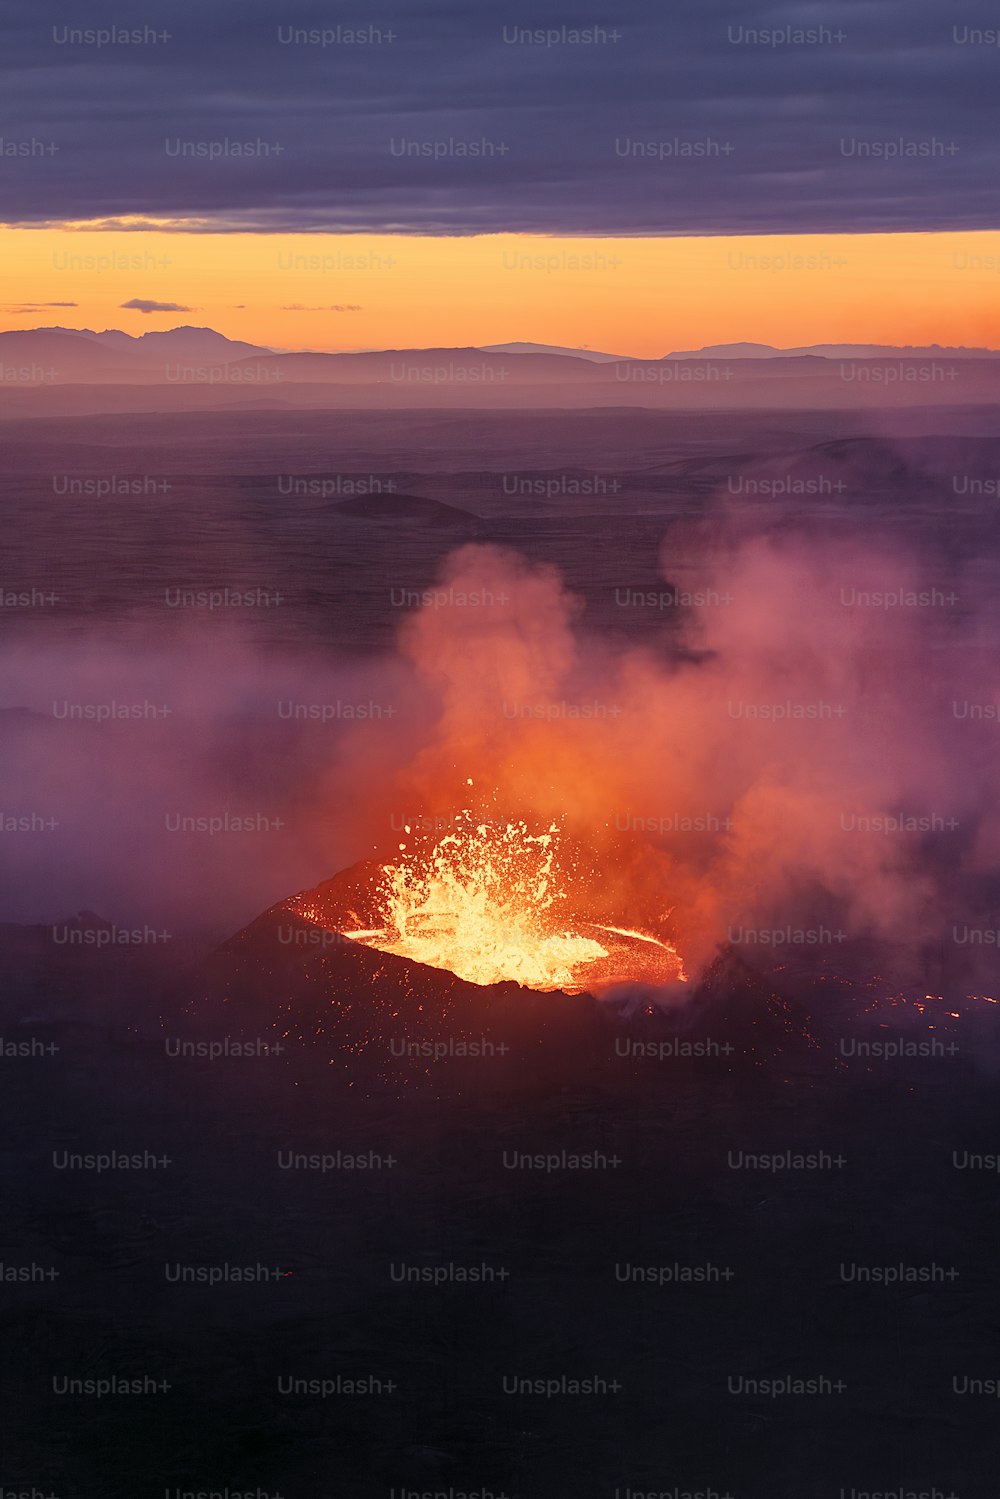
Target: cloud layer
700	117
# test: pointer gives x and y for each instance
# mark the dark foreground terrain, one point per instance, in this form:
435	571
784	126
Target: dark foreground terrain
585	1200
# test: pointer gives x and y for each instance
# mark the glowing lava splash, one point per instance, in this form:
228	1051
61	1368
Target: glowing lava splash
490	902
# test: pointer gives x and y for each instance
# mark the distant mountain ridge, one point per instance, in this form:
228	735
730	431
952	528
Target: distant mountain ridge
594	355
833	351
185	342
49	369
762	351
189	344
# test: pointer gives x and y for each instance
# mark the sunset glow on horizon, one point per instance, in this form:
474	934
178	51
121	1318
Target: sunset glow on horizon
641	297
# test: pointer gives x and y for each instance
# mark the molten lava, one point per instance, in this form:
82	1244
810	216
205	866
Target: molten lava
492	903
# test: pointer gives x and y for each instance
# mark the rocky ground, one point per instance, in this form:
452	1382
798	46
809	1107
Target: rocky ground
617	1199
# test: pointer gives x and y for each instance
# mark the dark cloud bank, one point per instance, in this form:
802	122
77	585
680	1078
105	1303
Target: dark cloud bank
693	118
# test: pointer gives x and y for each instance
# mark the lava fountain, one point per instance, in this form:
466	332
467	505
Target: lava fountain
495	902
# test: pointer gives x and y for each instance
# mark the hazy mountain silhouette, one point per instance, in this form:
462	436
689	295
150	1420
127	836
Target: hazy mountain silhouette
57	354
169	343
465	367
832	351
594	355
47	371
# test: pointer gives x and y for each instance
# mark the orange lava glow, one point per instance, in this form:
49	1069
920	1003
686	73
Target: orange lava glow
491	902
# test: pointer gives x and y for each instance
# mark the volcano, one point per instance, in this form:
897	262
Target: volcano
495	900
309	972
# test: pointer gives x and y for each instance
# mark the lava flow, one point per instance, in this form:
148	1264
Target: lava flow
494	902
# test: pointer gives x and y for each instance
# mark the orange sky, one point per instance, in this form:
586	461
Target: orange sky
642	297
